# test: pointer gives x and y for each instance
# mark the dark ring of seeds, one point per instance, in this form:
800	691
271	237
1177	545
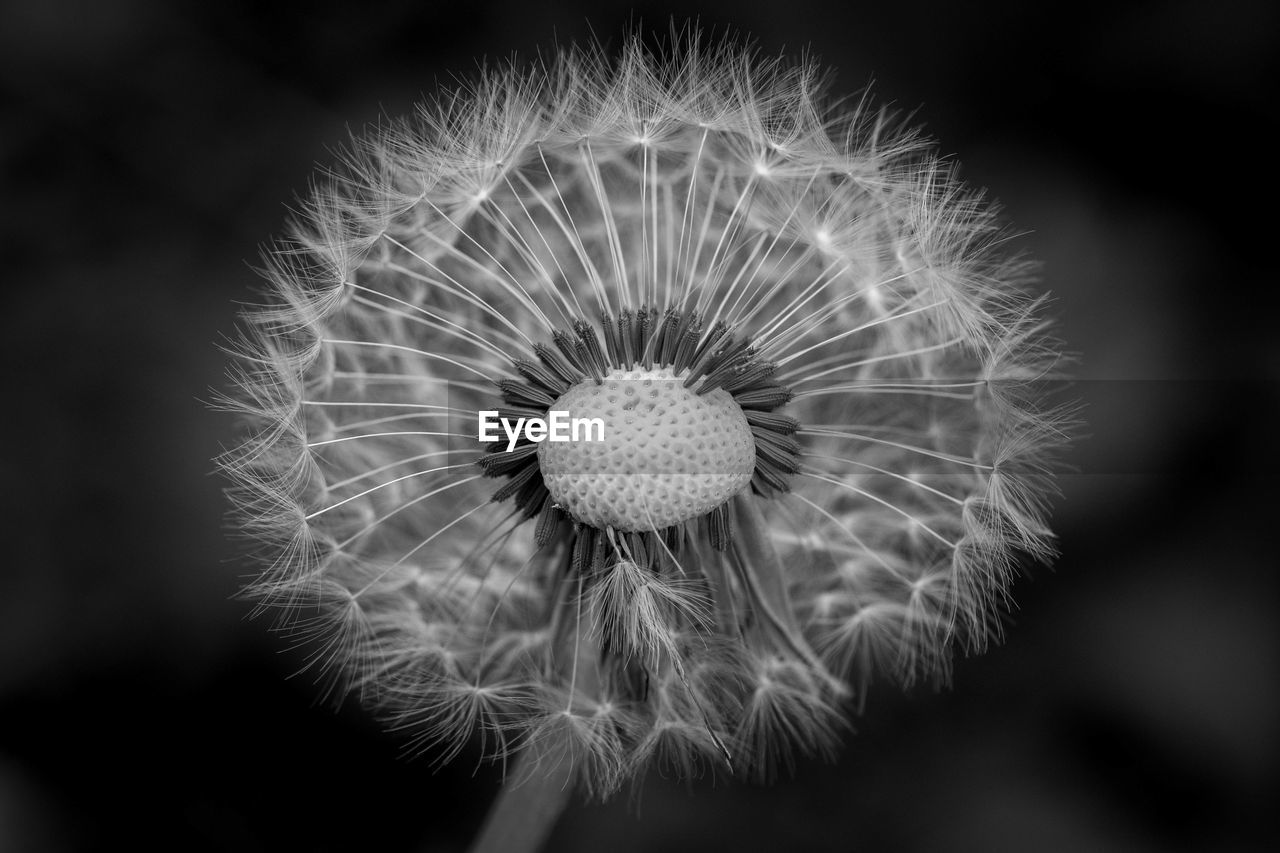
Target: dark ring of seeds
648	338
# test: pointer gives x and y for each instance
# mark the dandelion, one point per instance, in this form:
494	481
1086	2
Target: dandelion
814	365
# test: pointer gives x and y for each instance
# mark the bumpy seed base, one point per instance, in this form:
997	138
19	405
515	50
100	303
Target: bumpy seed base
668	455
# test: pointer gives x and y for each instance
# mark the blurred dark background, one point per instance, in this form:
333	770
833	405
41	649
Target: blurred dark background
147	148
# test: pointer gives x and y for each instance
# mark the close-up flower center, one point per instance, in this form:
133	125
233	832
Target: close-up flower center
666	454
685	417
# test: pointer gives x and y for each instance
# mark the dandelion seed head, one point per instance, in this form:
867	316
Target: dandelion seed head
816	365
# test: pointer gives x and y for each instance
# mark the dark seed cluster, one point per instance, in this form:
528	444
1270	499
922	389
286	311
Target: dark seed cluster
649	338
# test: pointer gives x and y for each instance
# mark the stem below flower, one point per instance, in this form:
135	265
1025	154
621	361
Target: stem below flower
533	797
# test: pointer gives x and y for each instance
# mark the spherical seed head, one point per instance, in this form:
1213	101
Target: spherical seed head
668	454
707	210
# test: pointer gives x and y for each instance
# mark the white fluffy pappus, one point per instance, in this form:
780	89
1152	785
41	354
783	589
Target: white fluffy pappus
706	211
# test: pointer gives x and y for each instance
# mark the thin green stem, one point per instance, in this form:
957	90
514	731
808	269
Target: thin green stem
532	799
